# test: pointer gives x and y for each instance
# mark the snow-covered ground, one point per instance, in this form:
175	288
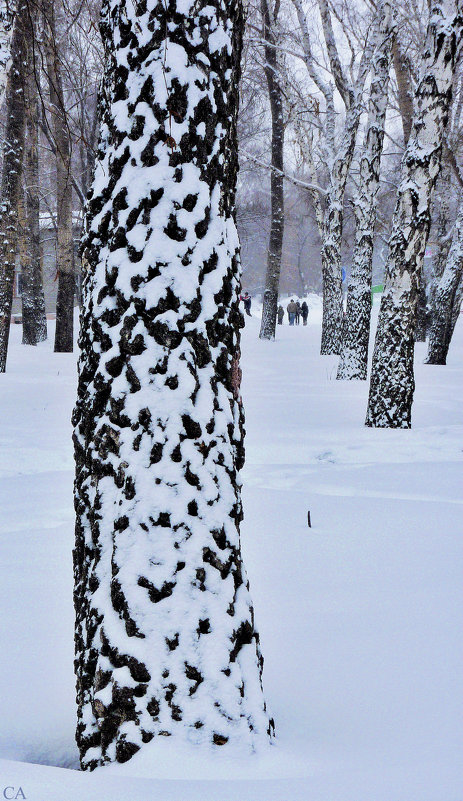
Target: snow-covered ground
360	615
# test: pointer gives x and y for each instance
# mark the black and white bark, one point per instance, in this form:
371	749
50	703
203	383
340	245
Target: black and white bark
392	378
64	332
32	298
275	247
165	638
444	301
7	11
353	362
338	152
443	235
11	177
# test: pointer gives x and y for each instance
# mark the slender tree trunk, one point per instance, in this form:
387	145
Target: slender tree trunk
33	301
442	328
392	378
332	319
339	158
11	178
332	238
421	327
356	330
165	637
65	244
272	277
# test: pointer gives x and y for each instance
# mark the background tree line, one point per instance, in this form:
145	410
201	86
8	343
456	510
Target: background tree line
329	91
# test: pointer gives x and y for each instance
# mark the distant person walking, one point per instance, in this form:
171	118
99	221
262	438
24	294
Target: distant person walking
281	314
298	312
291	309
246	298
304	312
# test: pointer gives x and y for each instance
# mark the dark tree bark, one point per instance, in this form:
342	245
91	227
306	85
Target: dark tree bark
392	379
33	300
11	178
272	277
404	88
421	327
165	638
456	307
442	322
356	329
64	332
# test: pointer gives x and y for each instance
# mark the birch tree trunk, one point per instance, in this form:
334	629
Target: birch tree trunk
165	638
11	178
6	31
65	246
272	277
356	330
392	379
441	327
333	219
443	239
33	300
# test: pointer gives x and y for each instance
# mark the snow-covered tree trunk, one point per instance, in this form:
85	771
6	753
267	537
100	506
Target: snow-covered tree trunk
392	378
331	257
165	636
7	11
33	301
339	167
64	333
442	236
441	327
337	155
11	178
356	329
272	276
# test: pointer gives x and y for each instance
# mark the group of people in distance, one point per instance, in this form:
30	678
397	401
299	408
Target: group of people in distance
295	311
246	298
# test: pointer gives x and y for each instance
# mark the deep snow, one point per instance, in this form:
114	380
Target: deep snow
360	615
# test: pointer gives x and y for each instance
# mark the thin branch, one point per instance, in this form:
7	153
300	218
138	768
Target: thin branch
303	184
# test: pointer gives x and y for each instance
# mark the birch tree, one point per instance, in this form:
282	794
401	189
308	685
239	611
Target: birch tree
442	328
11	176
392	378
338	151
6	32
64	333
166	643
273	78
32	298
356	330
